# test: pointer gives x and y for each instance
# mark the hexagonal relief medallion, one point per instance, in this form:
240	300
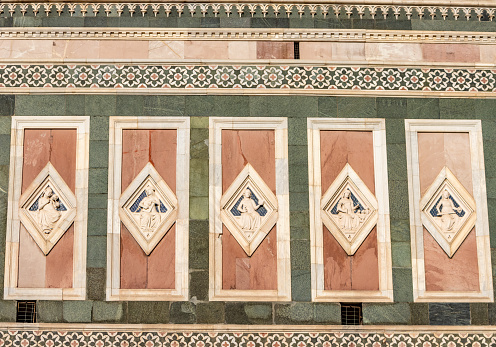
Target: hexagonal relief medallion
47	208
448	211
148	208
249	209
349	210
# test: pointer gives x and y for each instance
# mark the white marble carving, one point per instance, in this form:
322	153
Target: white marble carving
249	209
448	211
47	208
148	208
349	210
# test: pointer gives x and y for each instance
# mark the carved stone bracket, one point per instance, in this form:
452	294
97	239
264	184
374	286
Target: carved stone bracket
349	210
47	208
448	211
249	209
148	208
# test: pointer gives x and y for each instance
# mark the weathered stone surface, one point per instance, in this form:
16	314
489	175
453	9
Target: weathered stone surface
182	313
420	313
210	313
301	285
49	311
327	313
8	311
148	312
397	313
95	283
109	312
295	313
199	285
449	314
77	311
479	314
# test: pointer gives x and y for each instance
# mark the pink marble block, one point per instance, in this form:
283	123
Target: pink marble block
257	147
341	271
157	270
461	272
36	270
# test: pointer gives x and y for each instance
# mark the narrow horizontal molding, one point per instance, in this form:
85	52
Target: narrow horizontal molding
409	9
239	328
247	34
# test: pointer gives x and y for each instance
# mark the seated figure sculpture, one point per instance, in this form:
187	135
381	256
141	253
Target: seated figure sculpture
250	219
48	215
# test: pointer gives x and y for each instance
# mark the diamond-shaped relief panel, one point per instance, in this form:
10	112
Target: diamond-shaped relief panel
448	211
249	209
47	208
349	210
148	208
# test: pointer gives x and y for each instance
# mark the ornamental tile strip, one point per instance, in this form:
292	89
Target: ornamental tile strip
450	10
240	339
245	77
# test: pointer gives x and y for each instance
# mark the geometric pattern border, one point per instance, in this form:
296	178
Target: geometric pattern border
241	339
243	77
443	9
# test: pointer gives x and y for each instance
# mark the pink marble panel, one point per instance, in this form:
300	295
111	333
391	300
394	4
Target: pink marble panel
338	148
348	51
239	149
315	50
57	146
437	150
242	273
133	262
487	54
118	49
32	262
275	50
241	50
393	51
462	53
31	49
206	49
460	273
360	271
166	49
80	49
157	270
5	48
59	262
36	154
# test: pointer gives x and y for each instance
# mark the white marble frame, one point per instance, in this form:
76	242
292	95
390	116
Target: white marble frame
78	290
474	129
378	129
113	290
280	127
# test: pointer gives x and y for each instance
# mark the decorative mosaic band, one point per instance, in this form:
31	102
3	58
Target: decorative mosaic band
252	9
246	77
238	339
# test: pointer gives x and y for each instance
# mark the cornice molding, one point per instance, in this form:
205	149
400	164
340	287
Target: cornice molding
408	9
246	34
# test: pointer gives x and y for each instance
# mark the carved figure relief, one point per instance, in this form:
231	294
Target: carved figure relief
47	208
448	211
349	210
249	209
148	208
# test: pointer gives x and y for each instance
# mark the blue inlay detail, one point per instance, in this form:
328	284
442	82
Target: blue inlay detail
355	202
135	206
262	211
435	212
34	207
